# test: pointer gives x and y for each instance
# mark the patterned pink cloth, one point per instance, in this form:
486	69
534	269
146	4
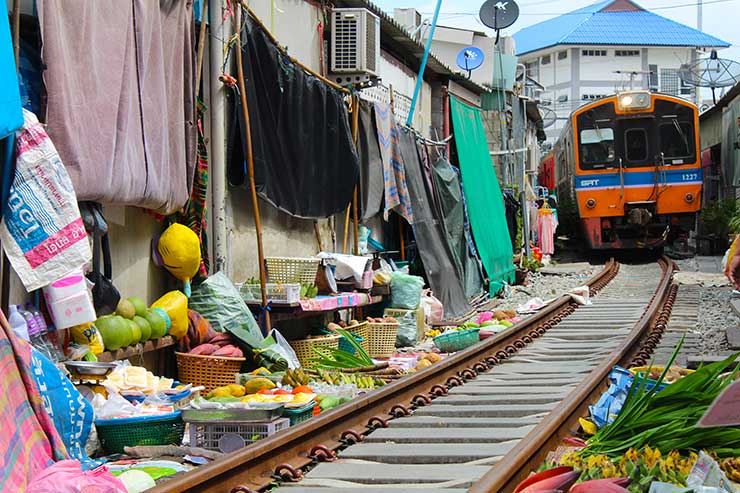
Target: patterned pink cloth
29	442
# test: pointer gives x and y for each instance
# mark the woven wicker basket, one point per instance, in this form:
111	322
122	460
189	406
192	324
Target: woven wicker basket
305	354
208	371
292	270
382	339
362	330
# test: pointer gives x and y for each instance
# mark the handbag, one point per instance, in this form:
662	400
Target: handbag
104	293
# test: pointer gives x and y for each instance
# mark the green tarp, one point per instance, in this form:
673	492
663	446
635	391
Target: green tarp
483	195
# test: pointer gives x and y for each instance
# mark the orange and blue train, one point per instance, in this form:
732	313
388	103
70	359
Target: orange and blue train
630	164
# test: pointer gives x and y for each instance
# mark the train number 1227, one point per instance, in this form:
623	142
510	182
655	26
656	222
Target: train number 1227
689	176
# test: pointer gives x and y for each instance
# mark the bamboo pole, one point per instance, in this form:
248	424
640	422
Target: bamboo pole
355	132
201	46
16	31
346	229
318	235
250	167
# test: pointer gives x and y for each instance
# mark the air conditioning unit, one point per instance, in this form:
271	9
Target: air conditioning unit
355	45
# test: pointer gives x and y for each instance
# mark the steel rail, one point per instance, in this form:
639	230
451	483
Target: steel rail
533	449
284	455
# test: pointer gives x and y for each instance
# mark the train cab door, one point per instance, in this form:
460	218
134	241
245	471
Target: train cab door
636	144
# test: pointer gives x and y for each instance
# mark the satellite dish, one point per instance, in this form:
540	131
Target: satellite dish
470	58
712	72
499	14
548	116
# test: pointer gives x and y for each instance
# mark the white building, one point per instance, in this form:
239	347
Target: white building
606	47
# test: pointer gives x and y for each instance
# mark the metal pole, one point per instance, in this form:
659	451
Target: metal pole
250	166
420	79
217	111
525	204
699	14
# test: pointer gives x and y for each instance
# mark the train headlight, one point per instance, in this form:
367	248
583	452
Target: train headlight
689	197
591	203
634	101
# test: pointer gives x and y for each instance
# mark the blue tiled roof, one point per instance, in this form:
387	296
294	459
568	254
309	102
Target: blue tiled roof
590	26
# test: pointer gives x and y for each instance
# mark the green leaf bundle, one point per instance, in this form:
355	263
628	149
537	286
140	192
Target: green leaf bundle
336	359
666	419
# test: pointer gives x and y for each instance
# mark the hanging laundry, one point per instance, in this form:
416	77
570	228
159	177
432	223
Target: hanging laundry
547	223
371	165
305	162
444	278
11	116
396	192
121	98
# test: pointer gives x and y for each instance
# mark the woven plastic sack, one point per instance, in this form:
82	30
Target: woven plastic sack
71	412
66	476
175	304
179	248
219	301
42	231
406	291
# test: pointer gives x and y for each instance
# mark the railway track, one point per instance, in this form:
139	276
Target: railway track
478	421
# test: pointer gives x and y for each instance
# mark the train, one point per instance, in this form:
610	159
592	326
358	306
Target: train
629	166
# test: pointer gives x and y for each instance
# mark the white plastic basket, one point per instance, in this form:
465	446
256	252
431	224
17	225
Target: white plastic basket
292	270
227	436
277	293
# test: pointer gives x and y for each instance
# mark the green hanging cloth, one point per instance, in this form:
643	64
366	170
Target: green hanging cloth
482	194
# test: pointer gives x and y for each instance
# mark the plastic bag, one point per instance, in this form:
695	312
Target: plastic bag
580	295
42	232
66	476
175	304
88	335
179	248
277	354
219	301
406	291
434	311
407	334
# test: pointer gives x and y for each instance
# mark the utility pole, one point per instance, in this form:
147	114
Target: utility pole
699	14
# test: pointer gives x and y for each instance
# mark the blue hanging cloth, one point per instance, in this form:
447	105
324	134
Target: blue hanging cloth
11	113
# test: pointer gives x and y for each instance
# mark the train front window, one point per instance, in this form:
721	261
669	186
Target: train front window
636	145
676	141
597	148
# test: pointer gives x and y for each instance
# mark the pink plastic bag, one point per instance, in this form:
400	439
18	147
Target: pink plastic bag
434	311
67	476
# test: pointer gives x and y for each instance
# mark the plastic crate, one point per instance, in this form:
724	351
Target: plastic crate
299	415
292	270
449	342
277	293
114	434
227	436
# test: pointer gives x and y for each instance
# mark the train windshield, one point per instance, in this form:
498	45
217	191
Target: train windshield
597	148
676	141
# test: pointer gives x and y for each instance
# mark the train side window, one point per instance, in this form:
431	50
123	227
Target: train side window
676	140
636	144
597	147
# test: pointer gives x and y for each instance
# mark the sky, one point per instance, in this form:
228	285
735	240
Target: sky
720	17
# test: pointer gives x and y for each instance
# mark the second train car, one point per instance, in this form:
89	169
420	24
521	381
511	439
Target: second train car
630	164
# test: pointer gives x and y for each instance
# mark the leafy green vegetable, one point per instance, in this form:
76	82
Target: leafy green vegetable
666	419
334	358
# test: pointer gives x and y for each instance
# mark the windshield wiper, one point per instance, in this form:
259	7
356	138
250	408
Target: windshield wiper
682	134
